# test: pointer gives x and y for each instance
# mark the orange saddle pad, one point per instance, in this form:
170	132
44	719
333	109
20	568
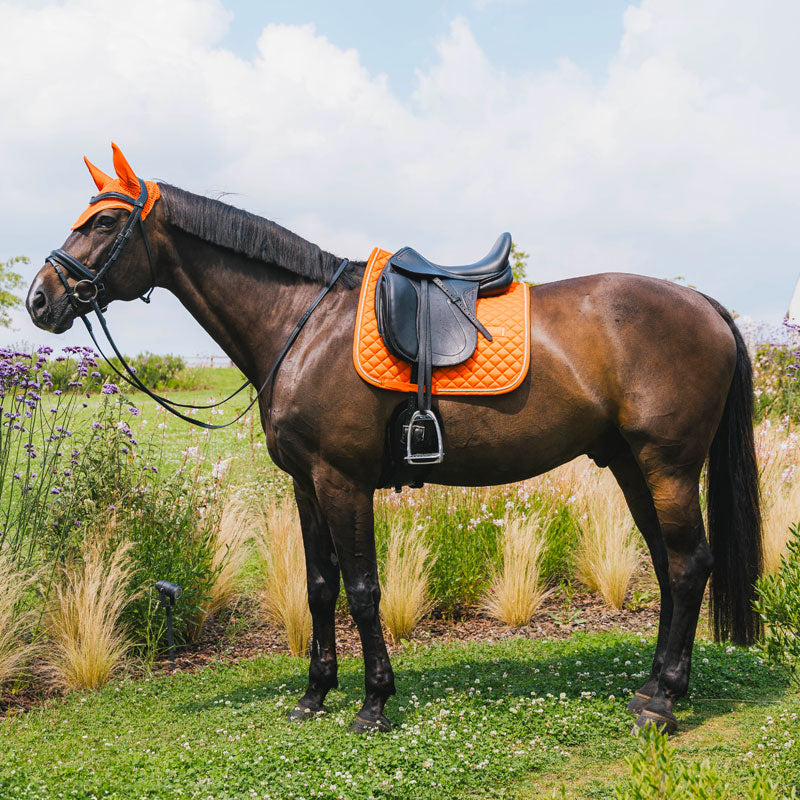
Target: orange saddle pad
495	367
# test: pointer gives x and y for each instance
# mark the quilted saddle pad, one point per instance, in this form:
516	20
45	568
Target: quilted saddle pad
495	367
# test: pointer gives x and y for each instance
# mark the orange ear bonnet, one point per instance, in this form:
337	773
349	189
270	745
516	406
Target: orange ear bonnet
125	183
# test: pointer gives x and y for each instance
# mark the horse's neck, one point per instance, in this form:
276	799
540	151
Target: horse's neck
248	308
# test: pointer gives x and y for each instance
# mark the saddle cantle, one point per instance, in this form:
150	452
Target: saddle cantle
426	315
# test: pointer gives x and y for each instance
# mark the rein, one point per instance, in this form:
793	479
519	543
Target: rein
89	290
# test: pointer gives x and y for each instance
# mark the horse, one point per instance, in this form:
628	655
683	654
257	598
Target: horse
648	378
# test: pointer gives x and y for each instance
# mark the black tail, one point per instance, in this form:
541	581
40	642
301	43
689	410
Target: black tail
734	513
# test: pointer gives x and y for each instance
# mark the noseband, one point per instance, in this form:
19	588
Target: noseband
89	289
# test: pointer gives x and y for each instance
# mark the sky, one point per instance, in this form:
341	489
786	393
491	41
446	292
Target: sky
660	137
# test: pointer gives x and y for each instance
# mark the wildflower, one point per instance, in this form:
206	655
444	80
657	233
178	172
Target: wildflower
110	388
133	410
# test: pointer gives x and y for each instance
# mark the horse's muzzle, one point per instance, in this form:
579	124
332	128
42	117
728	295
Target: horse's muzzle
49	314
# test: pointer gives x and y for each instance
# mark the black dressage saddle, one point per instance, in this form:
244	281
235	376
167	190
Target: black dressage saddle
426	316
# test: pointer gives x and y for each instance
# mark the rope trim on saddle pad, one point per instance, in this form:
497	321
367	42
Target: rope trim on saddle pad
496	367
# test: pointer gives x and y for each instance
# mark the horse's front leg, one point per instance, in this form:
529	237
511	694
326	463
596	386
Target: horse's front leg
322	573
349	514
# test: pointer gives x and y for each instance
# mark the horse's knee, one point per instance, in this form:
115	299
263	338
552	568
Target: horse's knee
322	595
364	600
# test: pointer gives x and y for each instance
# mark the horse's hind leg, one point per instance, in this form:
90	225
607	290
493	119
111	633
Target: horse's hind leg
349	513
640	502
322	574
676	496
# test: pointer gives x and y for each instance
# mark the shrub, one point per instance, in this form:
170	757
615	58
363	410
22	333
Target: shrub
776	374
406	574
778	604
33	435
516	591
87	641
15	621
657	774
169	520
285	594
607	554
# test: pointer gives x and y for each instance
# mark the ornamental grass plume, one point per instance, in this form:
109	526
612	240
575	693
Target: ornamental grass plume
232	535
405	596
607	554
87	642
516	590
778	453
16	649
284	597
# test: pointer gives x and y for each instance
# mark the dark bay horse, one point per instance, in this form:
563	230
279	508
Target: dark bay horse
648	378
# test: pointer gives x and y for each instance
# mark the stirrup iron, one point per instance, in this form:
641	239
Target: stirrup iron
435	457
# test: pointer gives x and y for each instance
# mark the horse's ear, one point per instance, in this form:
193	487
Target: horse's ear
100	178
127	177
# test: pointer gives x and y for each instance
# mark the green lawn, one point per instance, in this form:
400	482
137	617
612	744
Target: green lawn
509	719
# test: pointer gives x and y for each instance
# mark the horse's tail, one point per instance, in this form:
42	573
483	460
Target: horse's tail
734	513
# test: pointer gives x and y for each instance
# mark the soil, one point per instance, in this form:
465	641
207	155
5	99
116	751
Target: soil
243	633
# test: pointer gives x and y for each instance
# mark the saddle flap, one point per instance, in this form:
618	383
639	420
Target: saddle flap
397	306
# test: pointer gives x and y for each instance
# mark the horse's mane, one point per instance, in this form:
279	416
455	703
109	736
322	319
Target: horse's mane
253	236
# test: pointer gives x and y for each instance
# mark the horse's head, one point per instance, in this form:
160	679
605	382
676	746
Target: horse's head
106	257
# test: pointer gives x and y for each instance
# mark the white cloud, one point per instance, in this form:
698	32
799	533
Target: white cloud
683	159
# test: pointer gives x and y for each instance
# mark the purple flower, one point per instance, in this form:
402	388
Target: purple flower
55	490
110	388
133	410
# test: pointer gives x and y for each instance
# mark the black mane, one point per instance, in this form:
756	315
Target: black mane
253	236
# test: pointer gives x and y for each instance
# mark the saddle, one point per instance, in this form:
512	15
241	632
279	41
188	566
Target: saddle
426	315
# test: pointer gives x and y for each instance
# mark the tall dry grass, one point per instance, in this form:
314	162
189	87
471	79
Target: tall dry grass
516	592
778	453
87	643
405	595
284	596
608	554
16	649
235	530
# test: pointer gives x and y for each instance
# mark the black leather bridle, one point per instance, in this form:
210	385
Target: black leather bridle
89	290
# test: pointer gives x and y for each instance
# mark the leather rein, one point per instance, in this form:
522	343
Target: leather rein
89	290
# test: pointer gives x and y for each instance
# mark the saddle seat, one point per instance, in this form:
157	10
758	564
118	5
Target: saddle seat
426	316
492	272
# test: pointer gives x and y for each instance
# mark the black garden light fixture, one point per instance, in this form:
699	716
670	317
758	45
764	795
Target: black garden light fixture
169	593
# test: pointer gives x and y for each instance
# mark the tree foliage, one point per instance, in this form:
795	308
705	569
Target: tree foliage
519	262
10	280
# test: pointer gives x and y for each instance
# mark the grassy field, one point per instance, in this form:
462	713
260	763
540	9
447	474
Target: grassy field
514	719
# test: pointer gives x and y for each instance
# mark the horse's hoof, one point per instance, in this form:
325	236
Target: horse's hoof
301	713
362	725
637	703
665	722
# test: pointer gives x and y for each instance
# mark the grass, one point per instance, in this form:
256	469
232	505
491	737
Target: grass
284	595
231	555
15	621
86	643
405	575
509	719
607	555
516	591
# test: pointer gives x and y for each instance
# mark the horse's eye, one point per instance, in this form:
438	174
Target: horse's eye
104	221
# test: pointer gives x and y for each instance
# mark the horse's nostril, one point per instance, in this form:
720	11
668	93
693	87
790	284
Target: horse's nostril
39	301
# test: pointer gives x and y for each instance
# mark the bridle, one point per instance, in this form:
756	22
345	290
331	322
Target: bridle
89	290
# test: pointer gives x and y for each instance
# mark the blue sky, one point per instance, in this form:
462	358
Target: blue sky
659	136
515	35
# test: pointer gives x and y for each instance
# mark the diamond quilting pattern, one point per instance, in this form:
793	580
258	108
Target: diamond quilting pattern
496	367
